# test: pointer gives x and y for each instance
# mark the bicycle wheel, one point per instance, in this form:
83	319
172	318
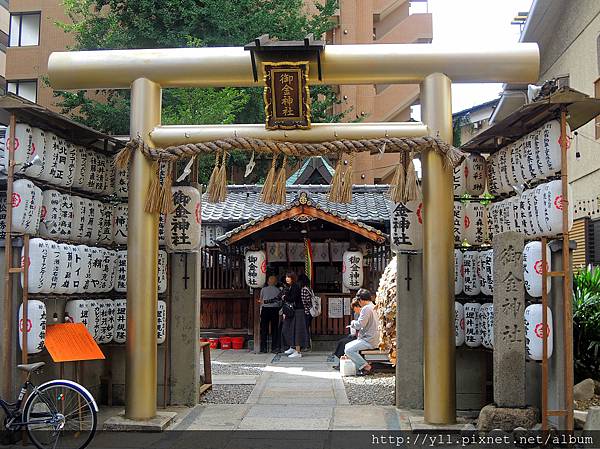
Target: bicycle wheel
60	415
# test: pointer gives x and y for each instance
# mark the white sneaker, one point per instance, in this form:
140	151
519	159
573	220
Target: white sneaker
289	351
294	355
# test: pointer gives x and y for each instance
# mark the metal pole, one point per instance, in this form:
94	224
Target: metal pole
566	256
438	258
142	261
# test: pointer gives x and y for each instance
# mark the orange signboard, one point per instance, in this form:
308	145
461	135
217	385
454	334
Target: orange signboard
71	342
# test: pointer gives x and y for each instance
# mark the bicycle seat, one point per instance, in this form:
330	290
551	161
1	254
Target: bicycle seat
31	367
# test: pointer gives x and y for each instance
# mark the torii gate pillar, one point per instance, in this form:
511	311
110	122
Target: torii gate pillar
438	258
142	254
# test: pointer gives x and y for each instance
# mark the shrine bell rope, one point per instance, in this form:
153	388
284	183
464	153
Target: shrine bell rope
404	186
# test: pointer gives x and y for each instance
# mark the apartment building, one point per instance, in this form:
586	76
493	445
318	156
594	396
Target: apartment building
32	36
380	22
4	29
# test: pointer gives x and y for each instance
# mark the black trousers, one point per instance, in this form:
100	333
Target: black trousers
269	317
341	345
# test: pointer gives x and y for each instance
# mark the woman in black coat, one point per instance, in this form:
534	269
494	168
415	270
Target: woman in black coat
294	333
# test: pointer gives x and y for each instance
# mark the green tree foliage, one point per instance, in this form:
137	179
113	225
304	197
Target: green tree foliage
586	318
118	24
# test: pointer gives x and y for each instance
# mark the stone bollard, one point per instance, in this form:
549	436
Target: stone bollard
593	419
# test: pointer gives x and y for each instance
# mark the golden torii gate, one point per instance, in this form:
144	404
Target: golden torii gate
432	66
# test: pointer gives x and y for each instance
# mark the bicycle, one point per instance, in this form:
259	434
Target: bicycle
58	414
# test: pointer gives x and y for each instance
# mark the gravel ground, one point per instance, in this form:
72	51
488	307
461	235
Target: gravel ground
227	394
376	389
585	405
252	369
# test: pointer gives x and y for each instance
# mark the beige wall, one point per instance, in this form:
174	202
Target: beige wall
571	48
32	62
378	21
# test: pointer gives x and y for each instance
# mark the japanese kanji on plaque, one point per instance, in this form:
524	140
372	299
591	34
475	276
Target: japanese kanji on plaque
287	100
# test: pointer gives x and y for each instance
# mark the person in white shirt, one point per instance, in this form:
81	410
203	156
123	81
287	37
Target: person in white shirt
368	333
270	303
341	344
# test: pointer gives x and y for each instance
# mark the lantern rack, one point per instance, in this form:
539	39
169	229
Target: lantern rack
9	270
578	109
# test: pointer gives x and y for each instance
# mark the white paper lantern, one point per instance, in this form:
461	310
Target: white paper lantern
51	155
459	179
81	156
492	221
504	167
256	268
162	271
26	205
492	174
510	168
120	321
516	158
121	272
94	316
76	270
458	272
553	207
120	215
106	320
459	222
50	213
472	329
65	270
352	270
515	214
93	163
534	332
538	151
550	143
183	224
112	269
38	272
161	229
55	261
23	147
35	326
474	223
61	161
105	283
406	225
85	271
76	311
100	182
121	183
475	174
471	276
486	272
529	162
161	322
92	221
532	268
105	224
66	217
486	325
97	270
459	324
80	211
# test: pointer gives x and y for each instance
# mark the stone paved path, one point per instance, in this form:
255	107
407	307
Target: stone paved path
292	394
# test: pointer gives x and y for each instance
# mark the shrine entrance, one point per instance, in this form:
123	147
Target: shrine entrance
290	132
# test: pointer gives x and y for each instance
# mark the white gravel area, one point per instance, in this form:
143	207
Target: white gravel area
252	369
227	394
376	389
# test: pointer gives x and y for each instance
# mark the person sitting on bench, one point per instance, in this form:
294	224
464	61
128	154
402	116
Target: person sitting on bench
341	344
368	334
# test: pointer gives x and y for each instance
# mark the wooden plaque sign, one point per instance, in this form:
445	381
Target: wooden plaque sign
287	99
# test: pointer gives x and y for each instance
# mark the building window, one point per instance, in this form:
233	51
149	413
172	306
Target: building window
24	29
24	88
